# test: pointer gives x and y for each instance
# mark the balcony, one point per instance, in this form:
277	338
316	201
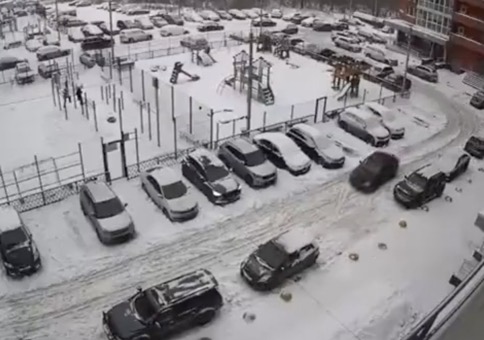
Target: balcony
467	43
469	21
476	3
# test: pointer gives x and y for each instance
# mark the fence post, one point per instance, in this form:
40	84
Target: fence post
137	148
364	95
394	97
40	178
131	78
346	99
107	174
211	128
234	122
324	109
53	90
58	97
149	121
82	162
175	139
114	98
95	115
217	134
316	107
102	93
4	187
141	117
86	105
381	92
292	111
264	120
122	99
190	126
123	146
157	100
143	85
17	186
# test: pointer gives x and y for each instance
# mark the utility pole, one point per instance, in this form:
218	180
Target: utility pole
375	9
409	45
112	38
249	81
57	20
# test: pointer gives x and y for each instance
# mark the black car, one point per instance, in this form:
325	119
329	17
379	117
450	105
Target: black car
422	186
455	165
298	18
125	24
7	62
394	82
282	257
264	22
17	248
173	19
210	26
96	43
374	171
477	100
87	60
290	29
322	26
211	177
157	312
475	147
340	26
105	28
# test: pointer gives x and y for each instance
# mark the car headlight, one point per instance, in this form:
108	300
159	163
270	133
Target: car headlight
366	183
8	265
265	277
216	193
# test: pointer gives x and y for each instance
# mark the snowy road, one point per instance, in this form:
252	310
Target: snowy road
48	313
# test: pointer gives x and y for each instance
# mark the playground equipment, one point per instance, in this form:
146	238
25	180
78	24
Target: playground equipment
283	48
346	79
261	71
264	43
203	57
177	69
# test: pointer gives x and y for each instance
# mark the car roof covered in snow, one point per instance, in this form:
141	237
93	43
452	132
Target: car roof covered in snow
308	130
294	239
9	219
277	138
205	157
164	176
377	107
243	145
428	170
100	191
359	112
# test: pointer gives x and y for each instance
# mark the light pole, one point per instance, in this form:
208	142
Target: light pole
57	20
249	81
409	45
112	39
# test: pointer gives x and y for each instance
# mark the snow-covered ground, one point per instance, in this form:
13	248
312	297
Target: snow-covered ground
380	296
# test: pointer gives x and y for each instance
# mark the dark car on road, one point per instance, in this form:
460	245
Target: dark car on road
18	251
8	62
322	26
264	22
374	171
87	59
248	162
298	18
424	72
51	52
477	100
211	177
168	308
96	43
46	70
126	24
475	146
394	82
290	29
210	26
280	258
422	186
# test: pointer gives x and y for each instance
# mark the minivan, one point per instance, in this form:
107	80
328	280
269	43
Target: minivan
134	35
172	30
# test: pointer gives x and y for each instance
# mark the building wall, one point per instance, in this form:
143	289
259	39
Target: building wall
465	58
435	15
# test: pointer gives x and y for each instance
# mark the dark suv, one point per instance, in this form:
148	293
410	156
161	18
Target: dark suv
211	177
475	147
157	312
422	186
96	43
477	100
374	171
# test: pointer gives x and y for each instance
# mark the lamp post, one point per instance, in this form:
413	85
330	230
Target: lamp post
57	20
409	45
112	39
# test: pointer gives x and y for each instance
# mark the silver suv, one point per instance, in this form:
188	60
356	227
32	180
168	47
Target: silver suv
106	213
248	162
364	125
348	44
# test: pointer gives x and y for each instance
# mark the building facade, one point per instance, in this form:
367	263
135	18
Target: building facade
452	30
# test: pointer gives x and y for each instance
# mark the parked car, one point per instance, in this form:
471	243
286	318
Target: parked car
317	146
96	43
173	19
167	190
18	250
32	45
340	26
280	258
424	72
106	213
347	44
134	35
298	18
83	3
125	24
475	146
237	14
308	22
173	30
355	39
224	15
263	22
290	29
283	152
23	73
374	171
106	29
198	43
375	53
87	59
420	187
210	26
364	125
250	13
276	14
389	119
453	164
144	23
74	22
477	100
394	82
322	26
192	17
51	52
209	15
211	177
248	162
157	312
46	70
51	40
75	35
137	11
288	17
159	22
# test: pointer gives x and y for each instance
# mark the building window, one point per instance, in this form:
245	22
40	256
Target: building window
460	30
463	9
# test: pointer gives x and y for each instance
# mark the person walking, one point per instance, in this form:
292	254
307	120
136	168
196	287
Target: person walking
79	95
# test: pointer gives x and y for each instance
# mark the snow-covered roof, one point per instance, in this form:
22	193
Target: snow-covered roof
277	138
429	170
308	130
294	239
100	191
165	176
9	219
203	156
244	145
364	114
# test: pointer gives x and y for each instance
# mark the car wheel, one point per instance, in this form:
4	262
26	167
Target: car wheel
370	140
205	316
83	210
130	40
249	180
343	125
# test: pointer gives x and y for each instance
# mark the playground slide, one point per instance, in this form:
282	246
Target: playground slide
343	92
206	59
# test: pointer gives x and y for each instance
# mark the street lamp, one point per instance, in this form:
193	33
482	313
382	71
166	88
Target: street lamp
409	45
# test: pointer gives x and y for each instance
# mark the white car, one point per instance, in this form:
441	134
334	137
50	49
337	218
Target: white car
237	14
375	53
134	35
250	13
32	45
51	40
317	146
364	125
192	17
92	31
209	15
276	14
172	31
283	152
388	117
347	44
144	23
167	190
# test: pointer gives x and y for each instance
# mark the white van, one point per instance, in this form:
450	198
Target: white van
375	53
134	35
172	30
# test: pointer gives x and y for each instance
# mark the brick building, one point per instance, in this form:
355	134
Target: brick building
449	29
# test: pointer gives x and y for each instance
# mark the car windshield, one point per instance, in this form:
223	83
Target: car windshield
255	158
271	255
417	180
372	122
216	172
109	208
13	239
371	165
174	190
322	142
147	304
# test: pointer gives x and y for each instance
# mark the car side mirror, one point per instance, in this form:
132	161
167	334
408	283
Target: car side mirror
139	289
125	205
